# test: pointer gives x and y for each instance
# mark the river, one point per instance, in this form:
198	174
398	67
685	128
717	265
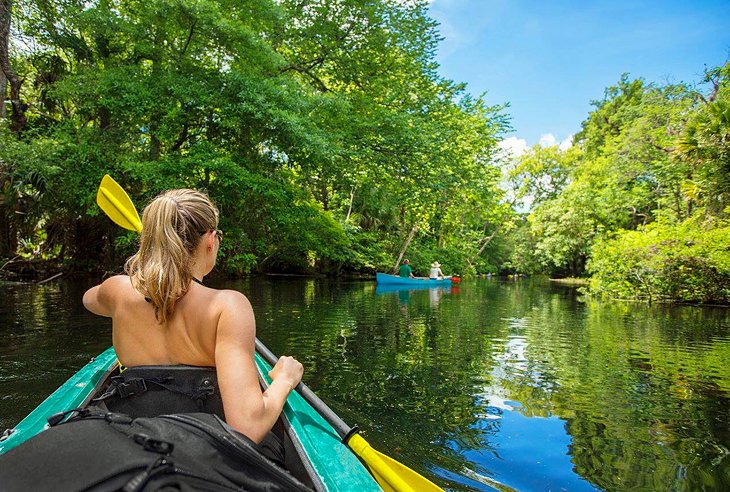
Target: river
489	385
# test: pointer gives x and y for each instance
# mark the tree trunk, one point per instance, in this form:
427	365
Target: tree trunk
3	94
405	246
485	241
17	118
324	194
105	118
8	236
155	144
352	199
8	239
156	115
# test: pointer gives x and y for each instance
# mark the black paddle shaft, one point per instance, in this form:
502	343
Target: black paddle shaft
343	430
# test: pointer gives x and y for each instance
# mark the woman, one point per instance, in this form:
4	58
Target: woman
162	314
435	273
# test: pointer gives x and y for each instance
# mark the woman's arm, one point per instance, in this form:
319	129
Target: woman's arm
100	299
247	409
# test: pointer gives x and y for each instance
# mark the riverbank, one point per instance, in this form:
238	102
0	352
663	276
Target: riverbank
572	281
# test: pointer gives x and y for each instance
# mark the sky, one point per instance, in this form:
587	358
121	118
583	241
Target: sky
550	59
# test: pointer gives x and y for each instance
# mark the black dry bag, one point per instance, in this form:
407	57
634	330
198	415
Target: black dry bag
98	451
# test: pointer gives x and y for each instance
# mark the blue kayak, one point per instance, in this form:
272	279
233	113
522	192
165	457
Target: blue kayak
385	279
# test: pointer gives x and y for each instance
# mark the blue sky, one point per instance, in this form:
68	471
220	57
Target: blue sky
549	59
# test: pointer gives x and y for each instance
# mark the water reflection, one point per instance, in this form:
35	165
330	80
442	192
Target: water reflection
481	386
45	336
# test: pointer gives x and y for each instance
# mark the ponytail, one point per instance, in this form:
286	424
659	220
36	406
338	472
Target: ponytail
172	225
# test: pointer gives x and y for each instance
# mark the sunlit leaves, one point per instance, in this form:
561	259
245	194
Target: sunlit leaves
646	154
321	128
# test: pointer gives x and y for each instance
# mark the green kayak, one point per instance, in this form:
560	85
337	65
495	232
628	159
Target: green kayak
321	459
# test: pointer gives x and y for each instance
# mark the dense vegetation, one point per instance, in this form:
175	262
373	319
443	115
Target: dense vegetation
640	201
331	144
320	128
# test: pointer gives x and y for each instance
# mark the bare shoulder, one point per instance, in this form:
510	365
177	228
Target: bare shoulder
102	299
235	313
118	281
232	299
116	286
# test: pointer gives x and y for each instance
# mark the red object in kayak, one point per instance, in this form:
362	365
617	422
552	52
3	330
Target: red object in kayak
455	279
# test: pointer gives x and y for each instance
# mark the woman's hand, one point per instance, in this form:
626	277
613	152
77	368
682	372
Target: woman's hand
288	370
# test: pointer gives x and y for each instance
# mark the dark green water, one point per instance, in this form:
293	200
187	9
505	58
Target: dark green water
483	386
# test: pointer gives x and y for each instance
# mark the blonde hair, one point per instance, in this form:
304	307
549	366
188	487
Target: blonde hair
172	225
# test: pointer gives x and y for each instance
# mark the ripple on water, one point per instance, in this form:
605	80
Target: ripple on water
513	386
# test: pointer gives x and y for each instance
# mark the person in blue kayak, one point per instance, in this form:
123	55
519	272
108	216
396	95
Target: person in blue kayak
163	315
435	273
405	270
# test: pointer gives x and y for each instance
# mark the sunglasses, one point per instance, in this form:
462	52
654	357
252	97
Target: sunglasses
218	233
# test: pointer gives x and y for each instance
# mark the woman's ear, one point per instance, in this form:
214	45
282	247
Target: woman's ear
210	239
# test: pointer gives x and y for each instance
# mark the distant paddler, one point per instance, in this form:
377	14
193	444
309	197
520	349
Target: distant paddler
405	270
435	273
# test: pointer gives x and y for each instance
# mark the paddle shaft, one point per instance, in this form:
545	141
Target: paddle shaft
389	473
343	430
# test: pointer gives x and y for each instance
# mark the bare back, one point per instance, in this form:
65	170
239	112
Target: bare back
188	337
179	242
208	327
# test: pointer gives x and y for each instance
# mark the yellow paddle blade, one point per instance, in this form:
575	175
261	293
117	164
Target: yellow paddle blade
115	202
391	475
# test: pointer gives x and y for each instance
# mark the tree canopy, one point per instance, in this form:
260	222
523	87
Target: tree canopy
320	128
640	201
325	134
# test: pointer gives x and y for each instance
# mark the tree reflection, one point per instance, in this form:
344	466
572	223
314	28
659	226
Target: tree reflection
643	391
640	395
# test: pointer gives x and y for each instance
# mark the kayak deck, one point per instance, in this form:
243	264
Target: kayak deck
329	464
72	394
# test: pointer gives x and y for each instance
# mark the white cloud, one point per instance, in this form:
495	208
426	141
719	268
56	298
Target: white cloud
549	140
513	146
566	143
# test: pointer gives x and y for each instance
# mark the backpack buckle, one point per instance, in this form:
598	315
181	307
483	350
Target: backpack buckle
154	445
131	387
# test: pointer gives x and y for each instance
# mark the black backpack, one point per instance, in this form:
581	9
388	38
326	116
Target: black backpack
104	451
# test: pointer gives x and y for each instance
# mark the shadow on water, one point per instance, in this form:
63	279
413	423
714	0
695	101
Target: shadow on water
481	386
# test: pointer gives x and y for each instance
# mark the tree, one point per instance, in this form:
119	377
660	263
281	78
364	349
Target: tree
322	129
17	116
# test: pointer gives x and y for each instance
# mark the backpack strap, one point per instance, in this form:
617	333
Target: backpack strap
137	391
126	387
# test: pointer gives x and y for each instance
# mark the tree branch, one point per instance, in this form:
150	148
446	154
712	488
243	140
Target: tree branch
405	246
485	242
181	139
190	37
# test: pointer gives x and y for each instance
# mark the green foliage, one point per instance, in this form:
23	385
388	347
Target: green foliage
648	167
322	129
542	173
688	261
705	145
